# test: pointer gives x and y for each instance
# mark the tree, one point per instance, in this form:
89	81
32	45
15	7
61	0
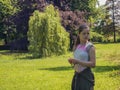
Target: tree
6	10
70	18
46	35
88	6
20	20
113	7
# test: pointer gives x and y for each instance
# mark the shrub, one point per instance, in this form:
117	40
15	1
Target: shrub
46	35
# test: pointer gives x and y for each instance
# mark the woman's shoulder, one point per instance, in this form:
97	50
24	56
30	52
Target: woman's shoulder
89	45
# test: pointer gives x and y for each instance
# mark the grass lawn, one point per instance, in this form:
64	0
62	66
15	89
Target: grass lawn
19	72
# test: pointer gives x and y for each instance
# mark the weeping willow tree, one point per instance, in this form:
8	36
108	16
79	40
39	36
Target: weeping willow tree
46	35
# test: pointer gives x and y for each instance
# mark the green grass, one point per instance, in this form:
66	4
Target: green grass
19	72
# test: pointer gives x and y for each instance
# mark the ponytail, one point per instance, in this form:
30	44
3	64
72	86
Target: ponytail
76	43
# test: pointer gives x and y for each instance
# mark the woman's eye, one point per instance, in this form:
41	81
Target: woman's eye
88	33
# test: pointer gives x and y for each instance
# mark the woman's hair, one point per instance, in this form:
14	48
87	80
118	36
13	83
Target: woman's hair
80	29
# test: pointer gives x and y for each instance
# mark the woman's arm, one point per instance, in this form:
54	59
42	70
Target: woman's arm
90	63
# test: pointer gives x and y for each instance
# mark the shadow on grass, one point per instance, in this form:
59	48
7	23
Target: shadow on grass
106	68
29	58
8	52
62	68
96	69
5	52
19	54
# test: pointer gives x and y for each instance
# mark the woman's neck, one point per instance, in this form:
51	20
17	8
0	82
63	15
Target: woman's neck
83	42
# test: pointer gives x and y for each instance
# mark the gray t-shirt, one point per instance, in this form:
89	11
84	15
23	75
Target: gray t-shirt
81	53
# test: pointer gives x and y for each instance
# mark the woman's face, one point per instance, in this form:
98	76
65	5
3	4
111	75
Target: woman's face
84	35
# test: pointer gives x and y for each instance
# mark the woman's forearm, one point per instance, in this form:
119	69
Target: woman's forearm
87	63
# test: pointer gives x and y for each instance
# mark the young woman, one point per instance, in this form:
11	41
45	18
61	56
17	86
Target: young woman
84	59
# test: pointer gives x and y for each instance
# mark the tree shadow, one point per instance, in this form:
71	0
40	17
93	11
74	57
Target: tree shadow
29	58
19	54
96	69
5	53
62	68
106	68
8	52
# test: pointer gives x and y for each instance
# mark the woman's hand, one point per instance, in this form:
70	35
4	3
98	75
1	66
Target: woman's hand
72	61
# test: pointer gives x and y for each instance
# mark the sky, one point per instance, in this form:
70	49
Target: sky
102	2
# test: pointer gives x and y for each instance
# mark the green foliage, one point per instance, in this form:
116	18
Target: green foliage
46	35
80	5
93	16
95	37
118	40
88	6
7	9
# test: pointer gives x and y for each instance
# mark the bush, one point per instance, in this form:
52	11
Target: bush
46	35
118	40
95	37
